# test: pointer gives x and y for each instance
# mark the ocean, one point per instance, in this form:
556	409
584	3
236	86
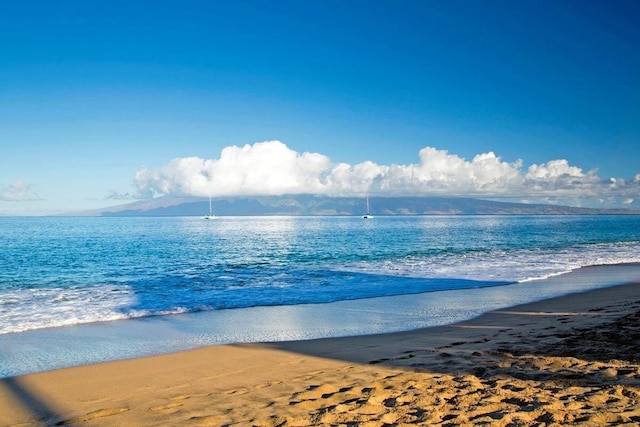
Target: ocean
138	286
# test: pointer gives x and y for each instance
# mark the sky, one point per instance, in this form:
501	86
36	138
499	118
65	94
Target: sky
108	102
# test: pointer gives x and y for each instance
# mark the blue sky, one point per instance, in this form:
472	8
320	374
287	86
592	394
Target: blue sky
101	102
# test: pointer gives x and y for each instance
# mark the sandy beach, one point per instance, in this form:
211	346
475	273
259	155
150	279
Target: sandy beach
572	360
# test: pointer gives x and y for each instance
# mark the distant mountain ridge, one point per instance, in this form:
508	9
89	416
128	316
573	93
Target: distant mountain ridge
301	205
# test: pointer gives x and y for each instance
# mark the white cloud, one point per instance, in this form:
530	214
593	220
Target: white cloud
441	172
262	168
18	191
271	168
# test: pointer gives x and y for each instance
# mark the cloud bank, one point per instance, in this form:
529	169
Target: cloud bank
272	168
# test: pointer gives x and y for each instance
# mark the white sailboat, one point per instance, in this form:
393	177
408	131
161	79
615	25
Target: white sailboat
367	215
211	215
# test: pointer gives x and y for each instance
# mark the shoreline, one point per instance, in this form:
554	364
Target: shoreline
572	359
55	348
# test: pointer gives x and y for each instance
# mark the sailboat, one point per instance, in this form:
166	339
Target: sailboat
211	215
367	215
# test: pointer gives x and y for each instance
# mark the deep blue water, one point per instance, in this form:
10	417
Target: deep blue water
62	271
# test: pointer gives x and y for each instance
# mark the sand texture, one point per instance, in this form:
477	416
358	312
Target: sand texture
573	360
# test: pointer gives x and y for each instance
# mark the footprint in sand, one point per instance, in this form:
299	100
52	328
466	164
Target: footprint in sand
100	413
209	420
166	406
322	391
268	384
238	391
181	397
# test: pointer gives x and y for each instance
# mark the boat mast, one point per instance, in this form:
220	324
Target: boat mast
367	215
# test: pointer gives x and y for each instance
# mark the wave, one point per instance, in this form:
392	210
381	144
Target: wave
515	265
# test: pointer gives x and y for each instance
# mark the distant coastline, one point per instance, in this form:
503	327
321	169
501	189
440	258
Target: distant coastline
310	205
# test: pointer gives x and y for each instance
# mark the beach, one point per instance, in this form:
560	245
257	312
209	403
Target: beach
571	360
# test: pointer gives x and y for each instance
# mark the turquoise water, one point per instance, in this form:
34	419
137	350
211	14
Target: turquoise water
65	271
84	290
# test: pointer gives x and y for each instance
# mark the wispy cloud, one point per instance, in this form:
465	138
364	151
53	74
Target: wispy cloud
18	191
115	195
272	168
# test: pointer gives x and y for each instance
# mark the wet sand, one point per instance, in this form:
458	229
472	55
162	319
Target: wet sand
572	360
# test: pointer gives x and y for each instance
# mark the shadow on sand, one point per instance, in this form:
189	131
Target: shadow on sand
568	348
21	394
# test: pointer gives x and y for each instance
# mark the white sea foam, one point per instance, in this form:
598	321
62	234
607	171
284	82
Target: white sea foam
523	265
26	309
